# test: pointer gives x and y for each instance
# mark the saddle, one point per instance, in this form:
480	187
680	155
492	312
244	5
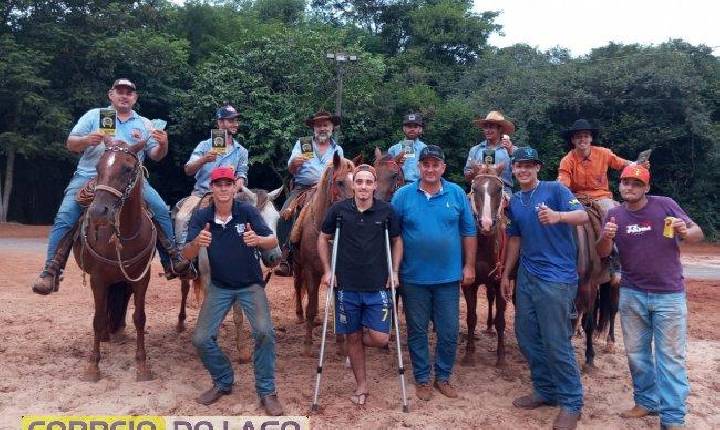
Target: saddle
295	207
85	195
595	215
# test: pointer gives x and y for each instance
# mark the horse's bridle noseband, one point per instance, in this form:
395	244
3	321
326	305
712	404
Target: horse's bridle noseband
499	213
137	171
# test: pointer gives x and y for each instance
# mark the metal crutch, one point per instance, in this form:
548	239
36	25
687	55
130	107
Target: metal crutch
328	299
401	368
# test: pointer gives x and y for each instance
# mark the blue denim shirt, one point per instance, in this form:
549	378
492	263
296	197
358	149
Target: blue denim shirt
475	155
237	158
310	172
136	129
410	168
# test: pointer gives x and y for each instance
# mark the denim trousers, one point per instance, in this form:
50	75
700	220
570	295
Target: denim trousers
256	308
441	303
543	329
654	329
70	211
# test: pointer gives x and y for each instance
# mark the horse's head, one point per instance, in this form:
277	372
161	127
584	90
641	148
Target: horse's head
389	175
336	181
118	172
487	191
263	201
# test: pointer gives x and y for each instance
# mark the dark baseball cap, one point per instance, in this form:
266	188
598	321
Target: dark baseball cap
227	112
123	82
413	118
526	153
432	151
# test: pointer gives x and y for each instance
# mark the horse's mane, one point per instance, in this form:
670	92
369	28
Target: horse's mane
322	199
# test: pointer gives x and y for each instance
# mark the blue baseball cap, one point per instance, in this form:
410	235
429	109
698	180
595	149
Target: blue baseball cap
432	151
227	112
526	153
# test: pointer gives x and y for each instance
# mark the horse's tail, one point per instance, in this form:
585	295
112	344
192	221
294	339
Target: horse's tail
117	303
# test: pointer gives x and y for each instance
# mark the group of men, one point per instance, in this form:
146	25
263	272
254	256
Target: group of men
433	238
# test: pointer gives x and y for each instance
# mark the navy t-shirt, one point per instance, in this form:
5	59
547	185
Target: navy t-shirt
233	264
546	251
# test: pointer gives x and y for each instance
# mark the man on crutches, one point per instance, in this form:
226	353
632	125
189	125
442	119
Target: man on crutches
363	307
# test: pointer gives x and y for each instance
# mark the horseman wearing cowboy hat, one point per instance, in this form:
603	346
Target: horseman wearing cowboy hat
497	146
306	164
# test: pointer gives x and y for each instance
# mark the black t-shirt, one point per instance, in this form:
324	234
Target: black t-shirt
233	264
361	256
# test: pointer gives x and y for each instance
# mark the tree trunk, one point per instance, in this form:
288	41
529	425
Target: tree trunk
7	187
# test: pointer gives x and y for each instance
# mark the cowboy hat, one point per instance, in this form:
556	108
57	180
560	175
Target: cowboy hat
580	125
495	117
322	114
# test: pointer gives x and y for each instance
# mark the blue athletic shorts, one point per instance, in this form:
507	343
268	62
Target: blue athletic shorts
355	309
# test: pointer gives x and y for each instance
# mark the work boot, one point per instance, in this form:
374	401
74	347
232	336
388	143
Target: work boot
637	411
179	266
284	268
49	280
530	401
445	388
423	391
566	420
272	405
212	395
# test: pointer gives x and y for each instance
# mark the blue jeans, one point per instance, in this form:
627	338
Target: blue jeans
70	212
543	329
257	309
660	382
441	302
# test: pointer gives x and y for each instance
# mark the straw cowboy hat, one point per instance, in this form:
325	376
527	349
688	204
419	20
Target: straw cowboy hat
495	117
320	115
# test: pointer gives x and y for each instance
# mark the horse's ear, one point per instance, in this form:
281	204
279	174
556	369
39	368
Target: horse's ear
138	147
247	191
337	159
499	168
378	154
358	160
272	195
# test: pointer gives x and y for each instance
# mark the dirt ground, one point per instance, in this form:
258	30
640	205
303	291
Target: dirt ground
44	342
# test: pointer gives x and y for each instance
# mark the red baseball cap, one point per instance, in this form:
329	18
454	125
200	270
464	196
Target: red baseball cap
223	172
636	171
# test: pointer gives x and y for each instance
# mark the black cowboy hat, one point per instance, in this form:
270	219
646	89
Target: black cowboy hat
322	114
579	125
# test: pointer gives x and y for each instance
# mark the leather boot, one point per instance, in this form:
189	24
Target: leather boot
49	280
284	268
179	266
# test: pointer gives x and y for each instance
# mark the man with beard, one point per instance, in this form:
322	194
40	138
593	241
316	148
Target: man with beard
362	304
410	148
306	164
496	129
647	231
204	159
542	216
88	140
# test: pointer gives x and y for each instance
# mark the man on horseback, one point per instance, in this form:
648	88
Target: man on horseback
406	151
232	232
361	299
437	231
87	139
647	231
541	219
497	148
307	161
205	158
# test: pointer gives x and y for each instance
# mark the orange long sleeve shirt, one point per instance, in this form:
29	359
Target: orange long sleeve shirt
588	175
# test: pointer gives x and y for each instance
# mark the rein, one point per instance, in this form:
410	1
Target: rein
497	224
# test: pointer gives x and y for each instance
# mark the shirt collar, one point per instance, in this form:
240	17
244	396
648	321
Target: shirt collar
440	192
368	210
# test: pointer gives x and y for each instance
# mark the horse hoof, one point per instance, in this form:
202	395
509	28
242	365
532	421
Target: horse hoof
299	319
144	376
307	351
501	363
180	327
90	376
244	357
468	360
490	332
589	368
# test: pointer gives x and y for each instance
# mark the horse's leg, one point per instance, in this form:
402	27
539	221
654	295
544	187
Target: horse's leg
614	299
243	346
142	368
500	323
182	316
491	293
298	284
588	322
92	371
470	293
310	310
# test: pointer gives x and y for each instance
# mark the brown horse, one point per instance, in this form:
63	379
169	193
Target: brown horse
390	175
488	208
116	248
335	185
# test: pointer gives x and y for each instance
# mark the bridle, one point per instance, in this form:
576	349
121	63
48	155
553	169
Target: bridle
501	203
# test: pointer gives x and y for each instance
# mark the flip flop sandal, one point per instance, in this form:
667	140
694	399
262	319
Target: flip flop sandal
359	399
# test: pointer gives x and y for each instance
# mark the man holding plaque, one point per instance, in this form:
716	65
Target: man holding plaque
409	148
647	231
87	139
220	150
495	149
306	164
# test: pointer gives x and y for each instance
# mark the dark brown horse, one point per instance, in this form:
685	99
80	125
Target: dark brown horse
335	185
390	175
116	247
488	208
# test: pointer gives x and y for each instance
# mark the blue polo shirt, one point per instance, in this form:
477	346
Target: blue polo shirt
311	171
237	158
432	232
410	167
477	154
547	251
233	265
136	129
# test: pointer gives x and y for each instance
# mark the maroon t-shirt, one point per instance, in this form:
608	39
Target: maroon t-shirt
650	261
